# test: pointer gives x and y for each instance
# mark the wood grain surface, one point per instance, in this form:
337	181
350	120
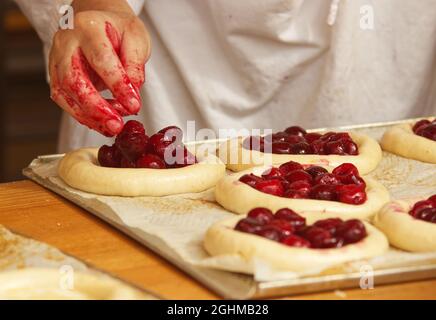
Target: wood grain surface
28	209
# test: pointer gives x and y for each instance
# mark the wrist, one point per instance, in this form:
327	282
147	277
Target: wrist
102	5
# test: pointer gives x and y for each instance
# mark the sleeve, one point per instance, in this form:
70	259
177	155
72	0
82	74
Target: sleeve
44	15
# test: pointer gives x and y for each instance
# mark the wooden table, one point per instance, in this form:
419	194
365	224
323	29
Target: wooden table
30	210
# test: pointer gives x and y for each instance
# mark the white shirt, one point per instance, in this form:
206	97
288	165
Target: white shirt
274	63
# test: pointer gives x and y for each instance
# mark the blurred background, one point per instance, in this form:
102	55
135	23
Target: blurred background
29	120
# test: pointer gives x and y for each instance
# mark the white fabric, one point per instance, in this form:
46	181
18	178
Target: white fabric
270	64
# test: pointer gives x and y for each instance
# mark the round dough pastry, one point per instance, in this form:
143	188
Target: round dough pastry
221	239
402	141
404	231
80	170
240	198
238	158
46	284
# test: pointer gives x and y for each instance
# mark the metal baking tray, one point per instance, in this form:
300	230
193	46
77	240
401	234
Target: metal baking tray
239	286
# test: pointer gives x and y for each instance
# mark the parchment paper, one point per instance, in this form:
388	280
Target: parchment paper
180	221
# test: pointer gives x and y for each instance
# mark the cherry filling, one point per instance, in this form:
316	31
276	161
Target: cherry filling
295	140
426	129
289	228
292	180
133	148
425	210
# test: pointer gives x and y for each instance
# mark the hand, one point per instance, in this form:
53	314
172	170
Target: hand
107	49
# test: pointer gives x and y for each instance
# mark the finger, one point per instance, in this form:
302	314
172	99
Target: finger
102	58
95	111
117	107
135	51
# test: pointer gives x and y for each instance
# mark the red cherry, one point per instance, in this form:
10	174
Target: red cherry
172	133
346	169
261	215
109	156
179	156
420	205
428	132
327	136
272	173
426	214
317	237
340	136
283	225
299	175
253	143
151	161
329	224
323	192
270	233
295	131
295	194
335	147
311	137
295	241
287	167
248	225
133	126
281	147
351	231
301	148
327	178
250	179
301	186
353	179
294	139
351	194
131	145
351	148
294	218
277	137
420	124
127	163
433	199
318	147
188	159
273	187
341	147
159	144
316	171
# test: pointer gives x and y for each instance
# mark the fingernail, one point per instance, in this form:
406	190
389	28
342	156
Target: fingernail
134	105
114	126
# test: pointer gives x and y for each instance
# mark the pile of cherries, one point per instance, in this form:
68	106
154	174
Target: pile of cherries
295	140
292	180
426	128
425	210
134	149
289	228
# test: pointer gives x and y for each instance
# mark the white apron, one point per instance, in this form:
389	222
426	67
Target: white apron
273	63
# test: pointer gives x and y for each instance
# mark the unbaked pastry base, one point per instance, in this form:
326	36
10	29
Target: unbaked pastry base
174	228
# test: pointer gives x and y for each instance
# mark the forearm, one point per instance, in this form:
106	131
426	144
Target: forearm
103	5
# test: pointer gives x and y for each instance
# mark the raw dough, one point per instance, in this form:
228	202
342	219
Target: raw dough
404	231
80	170
46	284
240	198
369	155
221	239
402	141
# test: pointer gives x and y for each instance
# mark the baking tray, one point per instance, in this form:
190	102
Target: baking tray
239	286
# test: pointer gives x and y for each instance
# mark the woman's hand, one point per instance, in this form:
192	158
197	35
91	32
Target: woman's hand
107	49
